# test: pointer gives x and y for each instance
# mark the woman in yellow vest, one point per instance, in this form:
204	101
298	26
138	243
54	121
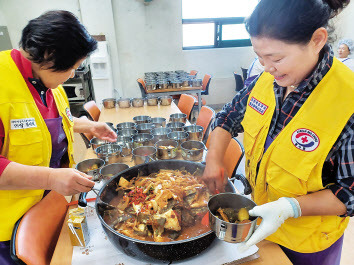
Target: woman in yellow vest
298	124
36	126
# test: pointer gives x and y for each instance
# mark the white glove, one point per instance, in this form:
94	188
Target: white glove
273	216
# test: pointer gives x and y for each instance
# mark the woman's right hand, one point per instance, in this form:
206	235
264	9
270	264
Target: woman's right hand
69	181
214	176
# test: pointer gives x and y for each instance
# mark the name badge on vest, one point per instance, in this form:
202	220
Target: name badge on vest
23	123
68	113
257	105
305	140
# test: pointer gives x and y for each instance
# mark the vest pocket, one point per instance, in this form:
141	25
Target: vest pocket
252	130
26	146
288	172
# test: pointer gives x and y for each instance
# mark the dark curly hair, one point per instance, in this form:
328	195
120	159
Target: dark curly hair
292	21
57	40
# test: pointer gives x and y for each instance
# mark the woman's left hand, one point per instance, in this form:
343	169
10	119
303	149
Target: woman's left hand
102	131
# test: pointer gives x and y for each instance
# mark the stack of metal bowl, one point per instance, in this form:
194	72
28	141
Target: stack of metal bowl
180	137
126	143
165	100
95	142
160	134
124	102
175	126
109	103
142	139
152	101
178	117
126	125
195	132
127	132
192	150
110	153
159	122
142	119
145	127
138	102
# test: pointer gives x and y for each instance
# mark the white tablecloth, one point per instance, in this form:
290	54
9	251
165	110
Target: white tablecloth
101	251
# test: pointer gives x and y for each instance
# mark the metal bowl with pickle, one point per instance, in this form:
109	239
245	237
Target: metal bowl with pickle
229	218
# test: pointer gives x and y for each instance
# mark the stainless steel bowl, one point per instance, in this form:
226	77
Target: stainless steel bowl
195	132
110	124
126	143
142	139
160	133
166	149
144	154
178	117
110	153
159	122
142	119
107	172
126	125
95	142
87	165
180	137
165	100
145	127
152	101
124	102
138	102
127	132
231	232
175	126
109	103
192	150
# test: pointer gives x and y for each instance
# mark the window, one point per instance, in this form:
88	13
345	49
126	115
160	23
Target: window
215	23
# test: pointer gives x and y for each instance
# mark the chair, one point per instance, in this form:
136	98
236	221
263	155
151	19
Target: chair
142	86
244	73
86	137
35	235
205	90
233	156
185	104
205	118
239	82
92	110
205	84
193	72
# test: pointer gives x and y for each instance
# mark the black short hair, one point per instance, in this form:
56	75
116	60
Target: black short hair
292	21
57	40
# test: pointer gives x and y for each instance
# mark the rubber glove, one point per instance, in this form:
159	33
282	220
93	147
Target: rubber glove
273	216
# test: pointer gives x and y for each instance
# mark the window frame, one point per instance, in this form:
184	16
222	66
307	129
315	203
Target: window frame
218	23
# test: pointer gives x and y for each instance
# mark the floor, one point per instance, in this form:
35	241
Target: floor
347	257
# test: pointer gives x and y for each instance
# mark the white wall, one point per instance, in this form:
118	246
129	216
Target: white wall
344	25
2	19
97	16
149	38
17	13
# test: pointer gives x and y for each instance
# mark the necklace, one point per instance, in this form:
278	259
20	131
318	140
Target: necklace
293	87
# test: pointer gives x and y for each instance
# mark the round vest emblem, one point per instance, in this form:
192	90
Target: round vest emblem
68	113
305	140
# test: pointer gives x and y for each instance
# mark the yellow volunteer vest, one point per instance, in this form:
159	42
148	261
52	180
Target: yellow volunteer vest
27	139
292	165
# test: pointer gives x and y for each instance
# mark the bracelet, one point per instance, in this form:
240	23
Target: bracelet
295	205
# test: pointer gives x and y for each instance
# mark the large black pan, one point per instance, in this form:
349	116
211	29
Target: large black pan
147	250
